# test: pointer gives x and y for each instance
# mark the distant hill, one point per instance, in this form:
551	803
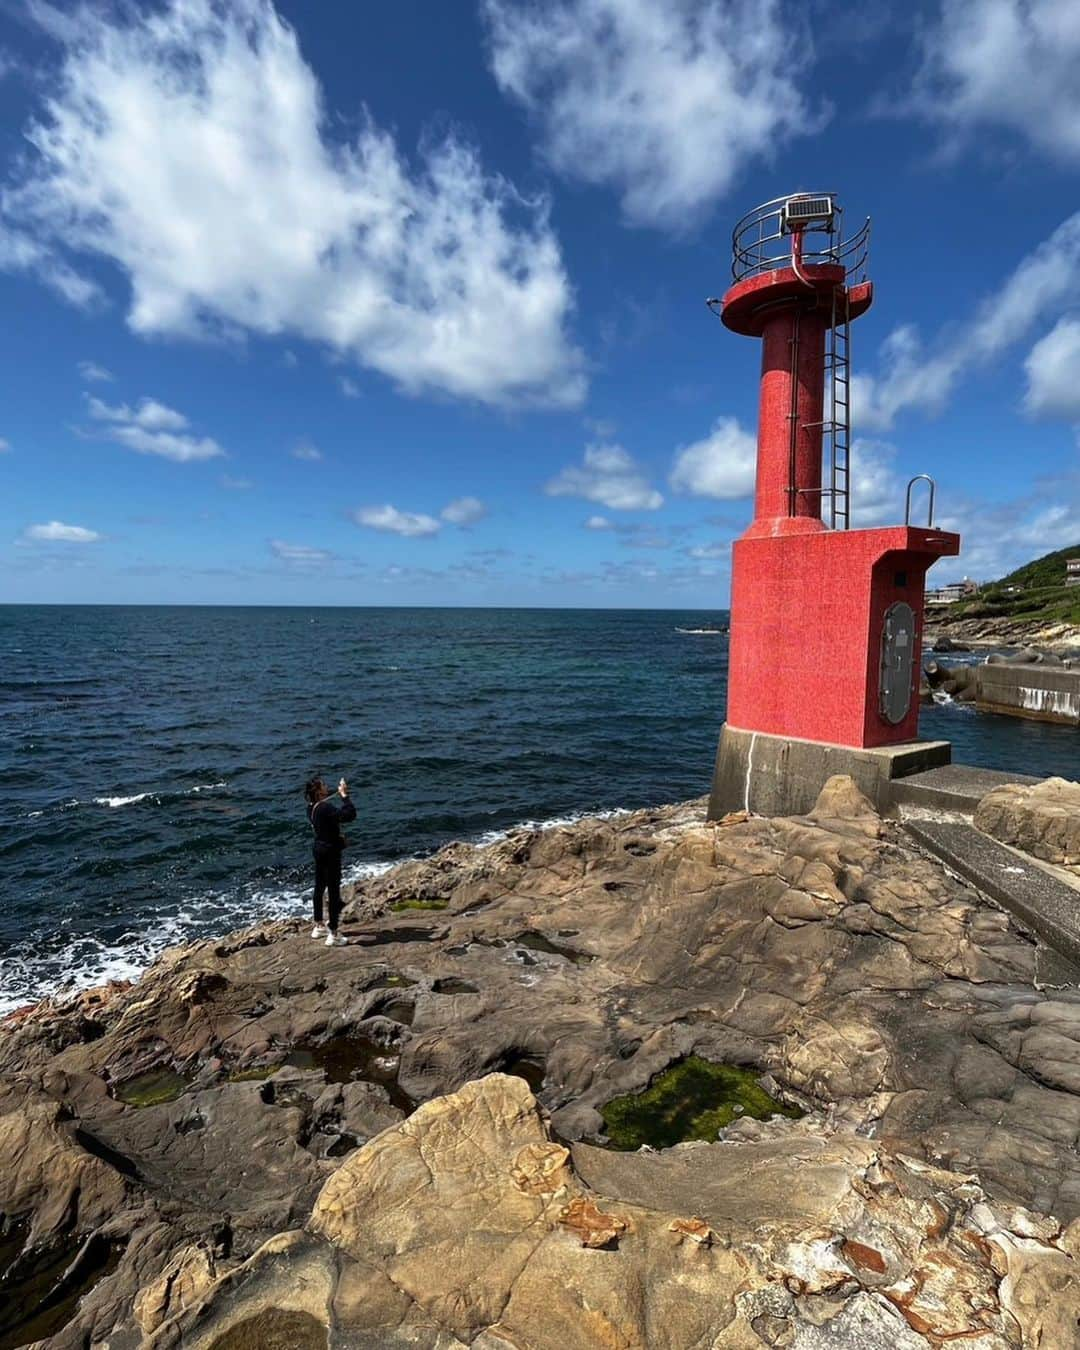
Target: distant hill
1049	570
1044	597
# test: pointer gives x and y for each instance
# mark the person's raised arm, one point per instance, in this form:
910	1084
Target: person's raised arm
346	810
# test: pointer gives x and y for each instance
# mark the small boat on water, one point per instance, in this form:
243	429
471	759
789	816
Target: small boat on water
706	630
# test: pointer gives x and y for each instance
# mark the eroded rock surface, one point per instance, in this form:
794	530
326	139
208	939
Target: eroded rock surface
1042	819
935	1174
466	1225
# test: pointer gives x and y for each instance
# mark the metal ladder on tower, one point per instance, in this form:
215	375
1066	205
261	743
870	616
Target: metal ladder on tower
837	427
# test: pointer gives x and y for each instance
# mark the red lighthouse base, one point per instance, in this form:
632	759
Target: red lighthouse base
807	616
814	657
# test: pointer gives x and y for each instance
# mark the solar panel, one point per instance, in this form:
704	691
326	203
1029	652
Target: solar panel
800	211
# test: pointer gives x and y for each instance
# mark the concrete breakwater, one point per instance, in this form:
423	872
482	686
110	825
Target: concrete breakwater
1047	690
1047	693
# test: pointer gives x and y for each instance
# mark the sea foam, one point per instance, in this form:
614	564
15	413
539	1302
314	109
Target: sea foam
85	961
154	796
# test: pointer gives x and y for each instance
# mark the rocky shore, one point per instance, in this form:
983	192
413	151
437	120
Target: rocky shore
402	1142
1003	631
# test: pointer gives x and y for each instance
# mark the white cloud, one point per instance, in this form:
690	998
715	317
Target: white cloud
709	551
307	451
5	446
91	371
996	538
1005	63
150	414
908	377
722	465
464	511
1053	373
410	524
1049	528
57	532
666	102
877	493
911	376
189	146
598	523
299	553
20	252
152	428
608	476
348	386
180	449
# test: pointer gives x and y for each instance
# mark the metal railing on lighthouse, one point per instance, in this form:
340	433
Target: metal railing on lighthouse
802	232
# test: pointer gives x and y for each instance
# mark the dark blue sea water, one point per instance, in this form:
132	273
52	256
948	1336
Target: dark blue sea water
152	759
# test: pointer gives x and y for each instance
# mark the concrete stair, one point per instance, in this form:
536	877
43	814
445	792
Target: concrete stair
956	788
1038	899
936	808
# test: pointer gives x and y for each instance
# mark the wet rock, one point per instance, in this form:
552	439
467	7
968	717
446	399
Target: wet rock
959	682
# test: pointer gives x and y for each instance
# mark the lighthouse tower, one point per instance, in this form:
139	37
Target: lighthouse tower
826	621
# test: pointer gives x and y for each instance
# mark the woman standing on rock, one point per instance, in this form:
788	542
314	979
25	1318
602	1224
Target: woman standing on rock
326	817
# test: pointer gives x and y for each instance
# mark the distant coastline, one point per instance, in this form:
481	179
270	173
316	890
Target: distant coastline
1003	631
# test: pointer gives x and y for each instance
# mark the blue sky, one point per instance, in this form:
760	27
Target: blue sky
372	304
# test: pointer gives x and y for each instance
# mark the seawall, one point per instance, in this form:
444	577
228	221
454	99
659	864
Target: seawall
1044	693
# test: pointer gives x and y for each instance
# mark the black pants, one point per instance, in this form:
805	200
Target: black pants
328	879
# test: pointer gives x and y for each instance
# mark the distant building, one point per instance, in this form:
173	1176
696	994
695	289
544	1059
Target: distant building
1072	571
946	595
954	592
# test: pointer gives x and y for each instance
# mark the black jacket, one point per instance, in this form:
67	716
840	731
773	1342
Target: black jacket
326	819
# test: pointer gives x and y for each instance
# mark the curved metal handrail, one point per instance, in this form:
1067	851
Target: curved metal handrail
760	244
921	478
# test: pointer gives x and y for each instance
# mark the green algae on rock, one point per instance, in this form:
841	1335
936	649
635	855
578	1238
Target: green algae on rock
256	1074
153	1088
692	1100
400	906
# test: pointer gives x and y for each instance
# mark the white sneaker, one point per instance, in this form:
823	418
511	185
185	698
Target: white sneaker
336	940
320	930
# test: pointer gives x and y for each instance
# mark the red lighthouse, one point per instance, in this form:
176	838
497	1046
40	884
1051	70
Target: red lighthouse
826	621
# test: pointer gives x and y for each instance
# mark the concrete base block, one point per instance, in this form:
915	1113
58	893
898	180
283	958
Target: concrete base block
782	776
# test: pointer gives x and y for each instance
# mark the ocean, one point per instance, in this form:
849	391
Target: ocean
152	759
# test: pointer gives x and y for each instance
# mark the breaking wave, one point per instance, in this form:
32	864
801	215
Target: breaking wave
152	796
76	961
